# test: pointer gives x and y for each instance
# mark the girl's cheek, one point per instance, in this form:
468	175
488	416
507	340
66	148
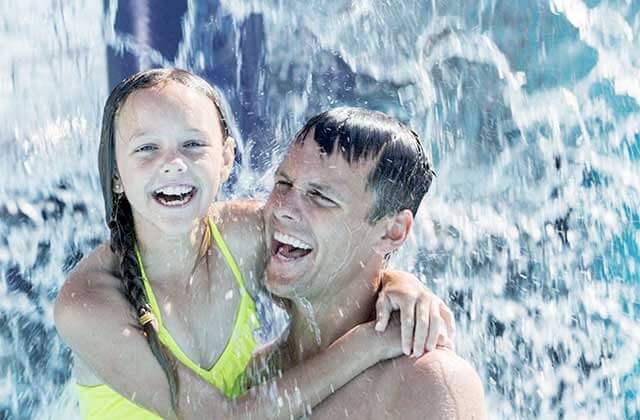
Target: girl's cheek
145	163
204	159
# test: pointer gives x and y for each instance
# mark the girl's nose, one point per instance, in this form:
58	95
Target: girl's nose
175	164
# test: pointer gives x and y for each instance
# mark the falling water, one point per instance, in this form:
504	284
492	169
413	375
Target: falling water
529	109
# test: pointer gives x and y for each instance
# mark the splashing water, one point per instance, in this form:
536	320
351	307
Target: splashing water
311	319
530	110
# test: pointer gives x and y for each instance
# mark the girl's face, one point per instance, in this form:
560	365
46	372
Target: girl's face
171	156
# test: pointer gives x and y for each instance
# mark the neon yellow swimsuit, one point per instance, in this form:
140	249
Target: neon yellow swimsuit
227	374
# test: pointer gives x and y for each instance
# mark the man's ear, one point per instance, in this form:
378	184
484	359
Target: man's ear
396	232
228	158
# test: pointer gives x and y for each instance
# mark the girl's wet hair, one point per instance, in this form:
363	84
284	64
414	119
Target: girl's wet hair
118	212
402	173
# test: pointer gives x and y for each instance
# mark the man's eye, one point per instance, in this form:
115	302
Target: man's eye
283	184
321	198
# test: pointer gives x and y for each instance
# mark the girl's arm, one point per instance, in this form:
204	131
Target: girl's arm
426	319
96	322
294	392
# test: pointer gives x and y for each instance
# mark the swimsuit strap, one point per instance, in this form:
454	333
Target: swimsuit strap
226	253
163	334
226	372
147	288
224	249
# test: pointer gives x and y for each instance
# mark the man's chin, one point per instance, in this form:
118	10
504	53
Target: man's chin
283	275
279	283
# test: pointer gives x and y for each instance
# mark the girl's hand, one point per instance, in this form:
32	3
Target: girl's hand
425	319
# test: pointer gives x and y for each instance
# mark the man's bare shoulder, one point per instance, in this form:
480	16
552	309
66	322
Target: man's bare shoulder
438	385
241	224
229	210
240	218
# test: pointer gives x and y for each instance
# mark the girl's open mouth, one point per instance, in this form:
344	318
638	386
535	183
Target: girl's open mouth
174	196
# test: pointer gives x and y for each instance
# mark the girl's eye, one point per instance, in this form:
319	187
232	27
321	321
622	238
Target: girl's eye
193	143
145	148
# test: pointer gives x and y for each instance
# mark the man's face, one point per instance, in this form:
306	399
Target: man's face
316	222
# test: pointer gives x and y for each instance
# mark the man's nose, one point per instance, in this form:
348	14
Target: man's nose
174	164
287	206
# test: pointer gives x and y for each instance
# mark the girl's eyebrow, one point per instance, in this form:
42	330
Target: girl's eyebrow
145	133
194	130
137	135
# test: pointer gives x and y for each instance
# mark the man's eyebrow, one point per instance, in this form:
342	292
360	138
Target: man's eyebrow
280	172
326	188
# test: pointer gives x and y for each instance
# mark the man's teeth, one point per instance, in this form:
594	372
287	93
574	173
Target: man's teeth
175	190
290	240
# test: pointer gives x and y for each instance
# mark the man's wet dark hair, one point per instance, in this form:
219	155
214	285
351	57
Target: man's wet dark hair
402	174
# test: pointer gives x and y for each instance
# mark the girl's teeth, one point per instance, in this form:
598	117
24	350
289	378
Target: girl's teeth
173	202
177	190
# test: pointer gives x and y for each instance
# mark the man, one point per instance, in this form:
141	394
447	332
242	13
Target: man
344	200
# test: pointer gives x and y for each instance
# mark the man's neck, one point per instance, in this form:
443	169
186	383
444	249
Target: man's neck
318	321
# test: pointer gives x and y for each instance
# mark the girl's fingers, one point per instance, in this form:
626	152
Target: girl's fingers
421	328
383	311
408	322
435	323
449	320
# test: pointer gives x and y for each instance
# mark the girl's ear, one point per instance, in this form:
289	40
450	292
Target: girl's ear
228	158
117	184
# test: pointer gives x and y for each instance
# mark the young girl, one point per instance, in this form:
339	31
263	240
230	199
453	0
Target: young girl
171	294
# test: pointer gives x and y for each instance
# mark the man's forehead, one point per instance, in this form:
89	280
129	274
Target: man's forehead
309	162
310	152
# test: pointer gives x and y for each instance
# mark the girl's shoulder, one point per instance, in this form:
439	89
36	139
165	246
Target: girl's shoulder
91	290
95	272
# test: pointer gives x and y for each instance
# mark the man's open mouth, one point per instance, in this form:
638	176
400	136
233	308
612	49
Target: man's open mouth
175	195
289	248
